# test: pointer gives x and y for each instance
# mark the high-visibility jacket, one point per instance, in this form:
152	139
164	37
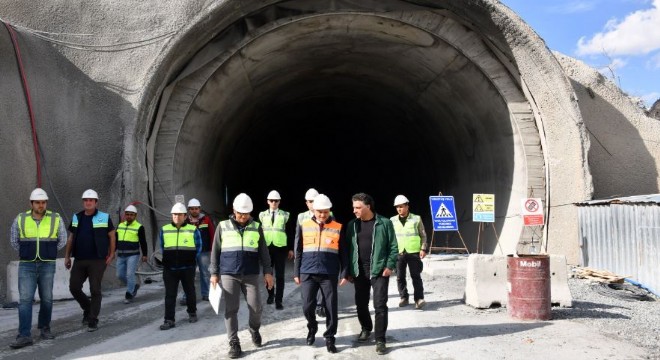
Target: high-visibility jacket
239	253
127	238
320	248
100	224
179	248
407	236
274	231
38	242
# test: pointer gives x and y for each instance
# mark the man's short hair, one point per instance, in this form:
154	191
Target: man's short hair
366	199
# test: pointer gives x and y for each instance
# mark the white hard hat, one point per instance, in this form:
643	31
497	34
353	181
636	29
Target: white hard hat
179	208
311	194
90	194
400	200
38	194
194	203
243	203
322	202
130	208
274	195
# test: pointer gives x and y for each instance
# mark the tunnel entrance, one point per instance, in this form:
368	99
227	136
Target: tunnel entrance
407	102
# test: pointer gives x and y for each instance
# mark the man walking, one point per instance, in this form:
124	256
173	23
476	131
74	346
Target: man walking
206	229
37	235
92	243
131	239
372	258
274	221
320	256
411	239
310	195
181	244
238	250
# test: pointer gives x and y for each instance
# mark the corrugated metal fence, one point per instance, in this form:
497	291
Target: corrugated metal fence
622	236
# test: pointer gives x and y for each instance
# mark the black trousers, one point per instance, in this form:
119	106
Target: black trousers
81	271
414	263
171	278
278	256
311	284
363	288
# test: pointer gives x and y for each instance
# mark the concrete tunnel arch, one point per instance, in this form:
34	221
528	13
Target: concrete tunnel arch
345	99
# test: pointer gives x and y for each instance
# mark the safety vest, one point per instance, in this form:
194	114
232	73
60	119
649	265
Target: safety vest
407	236
100	223
304	216
127	239
38	241
239	254
179	245
274	232
320	248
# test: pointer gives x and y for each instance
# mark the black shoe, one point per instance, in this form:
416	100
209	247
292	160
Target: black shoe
256	338
46	334
234	350
271	299
330	345
93	325
320	311
311	336
279	306
137	286
85	320
403	302
21	342
168	324
364	336
192	317
380	348
128	298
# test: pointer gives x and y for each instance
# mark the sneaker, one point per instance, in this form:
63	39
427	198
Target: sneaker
330	345
271	299
183	302
192	317
93	325
234	350
168	324
256	339
21	342
46	334
128	298
279	306
311	336
137	286
381	349
420	303
403	302
320	311
364	335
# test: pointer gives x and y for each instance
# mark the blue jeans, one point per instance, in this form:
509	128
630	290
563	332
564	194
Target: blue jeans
30	276
203	262
126	267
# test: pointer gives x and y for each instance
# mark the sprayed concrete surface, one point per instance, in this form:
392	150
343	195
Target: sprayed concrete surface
445	329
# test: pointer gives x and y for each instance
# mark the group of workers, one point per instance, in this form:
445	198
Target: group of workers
232	255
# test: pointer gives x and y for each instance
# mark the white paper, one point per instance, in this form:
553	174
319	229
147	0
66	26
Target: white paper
214	296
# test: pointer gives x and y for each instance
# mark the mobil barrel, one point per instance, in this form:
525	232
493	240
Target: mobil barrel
528	285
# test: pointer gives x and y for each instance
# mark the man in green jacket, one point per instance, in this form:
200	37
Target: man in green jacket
372	258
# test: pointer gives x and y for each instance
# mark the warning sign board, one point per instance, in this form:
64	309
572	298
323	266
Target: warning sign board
532	212
443	213
483	207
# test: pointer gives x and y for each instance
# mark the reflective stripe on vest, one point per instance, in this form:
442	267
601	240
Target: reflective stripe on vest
32	236
100	220
326	240
182	239
407	236
274	232
127	238
233	241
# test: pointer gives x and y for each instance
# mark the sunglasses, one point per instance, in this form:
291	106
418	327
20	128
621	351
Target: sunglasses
273	200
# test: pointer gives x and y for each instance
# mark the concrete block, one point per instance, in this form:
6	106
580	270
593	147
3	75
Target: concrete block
60	283
559	291
485	281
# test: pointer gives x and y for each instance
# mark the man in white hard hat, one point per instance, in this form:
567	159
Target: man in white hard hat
204	224
131	239
239	249
37	235
321	259
411	239
372	256
274	223
92	243
181	244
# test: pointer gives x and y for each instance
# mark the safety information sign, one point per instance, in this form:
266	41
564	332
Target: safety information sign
532	212
483	207
443	213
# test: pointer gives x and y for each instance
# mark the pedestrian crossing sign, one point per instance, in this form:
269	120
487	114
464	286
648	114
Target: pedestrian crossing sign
443	213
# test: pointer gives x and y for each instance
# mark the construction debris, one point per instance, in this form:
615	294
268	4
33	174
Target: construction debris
599	275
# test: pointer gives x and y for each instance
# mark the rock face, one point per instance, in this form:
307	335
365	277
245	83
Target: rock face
654	112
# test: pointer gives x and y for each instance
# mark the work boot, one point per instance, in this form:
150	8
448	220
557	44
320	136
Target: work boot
128	298
192	317
21	342
330	345
364	336
420	304
271	299
256	338
93	325
381	349
403	302
234	350
46	334
311	336
137	286
168	324
320	311
279	306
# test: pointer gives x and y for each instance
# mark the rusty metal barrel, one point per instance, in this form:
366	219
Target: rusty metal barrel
528	285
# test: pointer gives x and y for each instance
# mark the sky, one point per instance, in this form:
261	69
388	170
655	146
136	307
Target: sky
620	38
